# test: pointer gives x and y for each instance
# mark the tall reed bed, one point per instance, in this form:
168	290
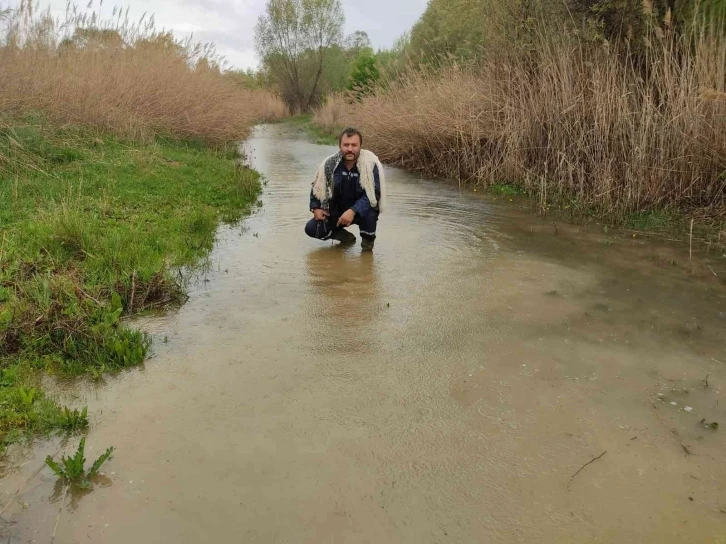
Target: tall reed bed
122	77
571	122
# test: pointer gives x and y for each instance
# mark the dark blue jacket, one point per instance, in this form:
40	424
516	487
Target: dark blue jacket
348	194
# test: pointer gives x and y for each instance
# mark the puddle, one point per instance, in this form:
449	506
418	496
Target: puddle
447	387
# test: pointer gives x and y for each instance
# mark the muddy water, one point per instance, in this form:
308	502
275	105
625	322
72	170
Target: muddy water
446	388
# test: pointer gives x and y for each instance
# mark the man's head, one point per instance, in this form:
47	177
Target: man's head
350	143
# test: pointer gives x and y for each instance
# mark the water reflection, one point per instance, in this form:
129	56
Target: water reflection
345	297
62	491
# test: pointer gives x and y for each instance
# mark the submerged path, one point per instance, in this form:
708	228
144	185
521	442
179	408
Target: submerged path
446	388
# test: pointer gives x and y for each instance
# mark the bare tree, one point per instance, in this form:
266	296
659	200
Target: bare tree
293	39
358	41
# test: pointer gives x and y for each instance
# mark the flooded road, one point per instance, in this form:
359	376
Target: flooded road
449	387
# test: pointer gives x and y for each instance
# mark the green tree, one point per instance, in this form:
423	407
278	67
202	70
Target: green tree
294	39
632	19
247	79
365	74
392	61
450	28
336	71
470	29
357	42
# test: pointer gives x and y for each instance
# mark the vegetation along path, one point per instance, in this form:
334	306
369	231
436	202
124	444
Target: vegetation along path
483	376
94	231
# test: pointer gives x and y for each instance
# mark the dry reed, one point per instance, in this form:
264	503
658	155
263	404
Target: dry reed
123	78
572	122
331	117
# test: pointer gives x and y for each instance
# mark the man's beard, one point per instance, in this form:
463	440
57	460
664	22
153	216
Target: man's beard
351	156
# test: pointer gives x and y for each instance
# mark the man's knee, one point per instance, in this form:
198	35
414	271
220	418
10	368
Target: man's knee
311	228
316	229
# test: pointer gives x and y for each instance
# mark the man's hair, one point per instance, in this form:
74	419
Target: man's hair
350	132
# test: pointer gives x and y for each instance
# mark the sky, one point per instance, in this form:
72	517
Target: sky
230	24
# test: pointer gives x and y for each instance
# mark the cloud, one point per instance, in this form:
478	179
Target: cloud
230	24
384	20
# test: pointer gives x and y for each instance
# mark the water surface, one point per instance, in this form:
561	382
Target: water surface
445	388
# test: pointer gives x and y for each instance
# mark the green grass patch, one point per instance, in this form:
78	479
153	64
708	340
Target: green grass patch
94	229
659	220
317	134
505	189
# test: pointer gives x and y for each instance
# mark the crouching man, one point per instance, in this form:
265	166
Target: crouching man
349	188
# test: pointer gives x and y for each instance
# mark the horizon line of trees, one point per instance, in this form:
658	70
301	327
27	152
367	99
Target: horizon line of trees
305	56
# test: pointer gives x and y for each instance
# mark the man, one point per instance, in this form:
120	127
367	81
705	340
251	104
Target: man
349	188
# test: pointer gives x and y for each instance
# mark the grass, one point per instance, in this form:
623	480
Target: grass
115	170
319	134
659	222
505	189
655	221
74	420
95	228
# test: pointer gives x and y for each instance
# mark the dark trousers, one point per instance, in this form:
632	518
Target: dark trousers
322	230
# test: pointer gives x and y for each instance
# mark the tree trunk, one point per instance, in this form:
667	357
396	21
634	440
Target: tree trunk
317	79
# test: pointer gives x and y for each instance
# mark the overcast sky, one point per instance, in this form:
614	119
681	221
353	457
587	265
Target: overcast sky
230	24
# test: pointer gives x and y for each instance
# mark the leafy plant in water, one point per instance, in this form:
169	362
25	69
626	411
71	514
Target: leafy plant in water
713	425
74	420
72	469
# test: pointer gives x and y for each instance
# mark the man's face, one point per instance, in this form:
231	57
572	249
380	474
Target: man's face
350	147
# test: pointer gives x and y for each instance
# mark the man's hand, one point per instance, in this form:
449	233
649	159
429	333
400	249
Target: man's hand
346	219
320	214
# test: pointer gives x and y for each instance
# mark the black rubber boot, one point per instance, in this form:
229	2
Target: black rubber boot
367	243
343	236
